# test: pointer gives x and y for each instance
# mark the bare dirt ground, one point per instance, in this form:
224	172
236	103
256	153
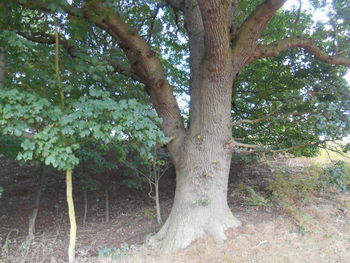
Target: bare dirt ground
268	234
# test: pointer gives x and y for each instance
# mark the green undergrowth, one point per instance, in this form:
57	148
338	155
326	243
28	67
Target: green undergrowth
114	252
338	176
253	196
294	190
291	189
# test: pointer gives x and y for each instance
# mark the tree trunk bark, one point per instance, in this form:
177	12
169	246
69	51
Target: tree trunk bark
200	205
85	206
71	212
32	219
106	203
159	217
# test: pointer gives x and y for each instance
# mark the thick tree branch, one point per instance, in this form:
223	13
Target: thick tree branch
263	148
231	13
215	20
255	24
211	88
271	117
44	38
143	63
244	145
266	117
275	48
245	38
195	31
146	66
127	72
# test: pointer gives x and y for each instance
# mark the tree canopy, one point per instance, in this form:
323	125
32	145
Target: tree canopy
297	99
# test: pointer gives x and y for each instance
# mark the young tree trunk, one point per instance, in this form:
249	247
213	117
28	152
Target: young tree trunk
85	206
159	217
71	212
32	219
106	203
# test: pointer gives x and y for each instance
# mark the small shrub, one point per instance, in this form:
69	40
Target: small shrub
114	252
149	214
295	187
240	188
256	199
338	176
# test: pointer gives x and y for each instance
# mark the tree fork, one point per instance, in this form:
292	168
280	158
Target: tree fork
200	205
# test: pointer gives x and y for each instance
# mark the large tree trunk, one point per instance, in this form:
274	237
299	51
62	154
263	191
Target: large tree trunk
202	152
200	205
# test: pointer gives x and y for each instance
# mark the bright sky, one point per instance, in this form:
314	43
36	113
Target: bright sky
347	76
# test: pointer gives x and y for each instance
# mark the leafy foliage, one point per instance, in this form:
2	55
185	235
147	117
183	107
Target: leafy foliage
10	146
301	103
293	188
255	198
56	134
338	176
310	99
